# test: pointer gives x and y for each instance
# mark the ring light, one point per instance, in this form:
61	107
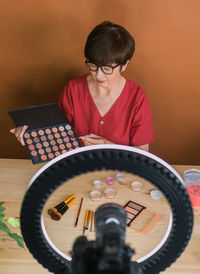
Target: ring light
106	157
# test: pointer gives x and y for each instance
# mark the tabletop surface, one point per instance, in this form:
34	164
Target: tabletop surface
14	177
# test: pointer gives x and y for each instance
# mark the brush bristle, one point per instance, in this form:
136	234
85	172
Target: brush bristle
55	215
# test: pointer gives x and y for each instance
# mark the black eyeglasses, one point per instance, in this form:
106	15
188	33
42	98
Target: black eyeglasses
105	69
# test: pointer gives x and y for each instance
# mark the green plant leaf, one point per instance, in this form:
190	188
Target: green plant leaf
2	208
13	222
17	238
4	227
2	216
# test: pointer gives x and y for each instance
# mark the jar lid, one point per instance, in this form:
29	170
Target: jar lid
120	177
156	194
110	180
136	186
95	195
110	193
97	184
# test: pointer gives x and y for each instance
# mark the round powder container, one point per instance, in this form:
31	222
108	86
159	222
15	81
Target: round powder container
95	195
156	194
120	177
110	193
110	181
136	186
97	184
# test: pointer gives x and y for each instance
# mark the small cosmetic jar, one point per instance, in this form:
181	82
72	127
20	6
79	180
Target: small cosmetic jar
136	186
110	193
95	195
120	177
110	181
156	194
97	184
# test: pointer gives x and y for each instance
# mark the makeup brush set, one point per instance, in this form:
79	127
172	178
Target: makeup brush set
58	211
140	224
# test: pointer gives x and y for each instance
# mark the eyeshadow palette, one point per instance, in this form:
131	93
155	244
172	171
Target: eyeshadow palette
132	210
49	133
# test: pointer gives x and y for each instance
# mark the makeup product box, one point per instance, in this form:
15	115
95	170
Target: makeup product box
49	133
145	222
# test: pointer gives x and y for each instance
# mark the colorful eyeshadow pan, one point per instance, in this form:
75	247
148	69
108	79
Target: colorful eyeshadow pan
50	137
49	133
29	141
26	135
41	132
68	127
61	128
33	133
54	129
45	147
43	137
132	210
38	145
48	149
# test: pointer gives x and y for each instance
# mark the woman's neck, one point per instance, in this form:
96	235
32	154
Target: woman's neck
101	91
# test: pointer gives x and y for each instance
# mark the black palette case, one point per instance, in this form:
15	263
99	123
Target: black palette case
49	133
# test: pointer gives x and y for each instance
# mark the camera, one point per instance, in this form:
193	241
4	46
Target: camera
109	253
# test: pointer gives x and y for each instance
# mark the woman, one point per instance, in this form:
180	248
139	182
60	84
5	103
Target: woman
104	107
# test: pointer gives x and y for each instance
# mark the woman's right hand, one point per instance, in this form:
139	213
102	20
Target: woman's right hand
19	133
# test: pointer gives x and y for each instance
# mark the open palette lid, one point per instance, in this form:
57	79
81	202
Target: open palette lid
38	116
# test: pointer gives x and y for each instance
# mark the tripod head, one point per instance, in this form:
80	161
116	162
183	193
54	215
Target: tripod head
108	254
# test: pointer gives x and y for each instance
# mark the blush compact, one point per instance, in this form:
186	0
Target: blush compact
49	133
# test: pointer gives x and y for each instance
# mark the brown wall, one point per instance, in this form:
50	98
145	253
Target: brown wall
42	46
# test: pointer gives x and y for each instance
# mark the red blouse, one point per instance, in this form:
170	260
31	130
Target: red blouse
128	122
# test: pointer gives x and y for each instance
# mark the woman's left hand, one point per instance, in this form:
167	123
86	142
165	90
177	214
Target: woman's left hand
93	139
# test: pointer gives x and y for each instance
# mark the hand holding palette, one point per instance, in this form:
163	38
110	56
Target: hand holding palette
49	133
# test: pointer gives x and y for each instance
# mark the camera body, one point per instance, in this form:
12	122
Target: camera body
108	254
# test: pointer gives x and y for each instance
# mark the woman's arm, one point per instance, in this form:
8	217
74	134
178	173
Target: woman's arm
144	147
93	139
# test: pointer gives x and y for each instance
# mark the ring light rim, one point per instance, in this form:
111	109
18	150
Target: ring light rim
141	259
109	147
104	146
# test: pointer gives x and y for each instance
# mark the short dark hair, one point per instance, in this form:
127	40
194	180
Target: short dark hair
109	43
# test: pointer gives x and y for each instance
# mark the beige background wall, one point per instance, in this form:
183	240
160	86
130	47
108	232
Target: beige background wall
42	46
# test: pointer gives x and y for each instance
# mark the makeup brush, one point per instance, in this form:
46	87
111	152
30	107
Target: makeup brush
61	205
92	217
85	221
57	212
78	214
88	219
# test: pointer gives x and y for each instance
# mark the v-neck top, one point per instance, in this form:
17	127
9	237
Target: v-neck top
127	122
